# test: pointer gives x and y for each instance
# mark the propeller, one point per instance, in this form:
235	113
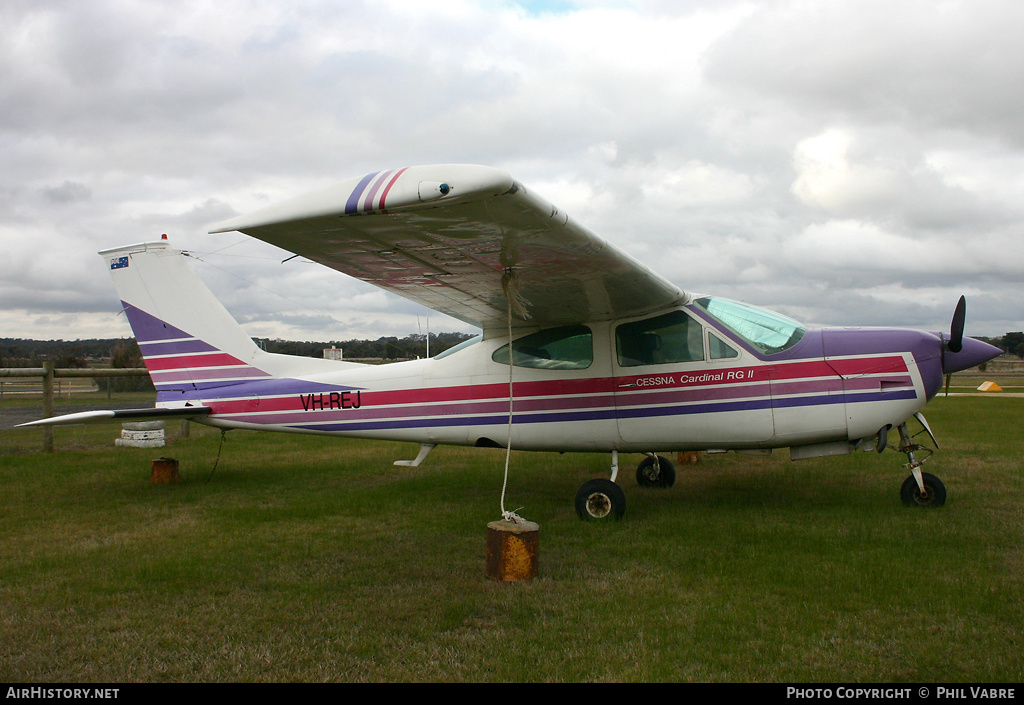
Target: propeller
956	328
956	333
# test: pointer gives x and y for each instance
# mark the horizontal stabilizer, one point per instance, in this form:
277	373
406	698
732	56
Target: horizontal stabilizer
123	415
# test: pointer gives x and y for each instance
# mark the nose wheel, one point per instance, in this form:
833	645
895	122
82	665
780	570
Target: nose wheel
655	471
921	489
933	493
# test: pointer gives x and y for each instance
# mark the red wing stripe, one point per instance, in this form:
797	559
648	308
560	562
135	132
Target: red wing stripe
387	190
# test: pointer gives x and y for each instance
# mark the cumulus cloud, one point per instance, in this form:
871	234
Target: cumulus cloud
856	161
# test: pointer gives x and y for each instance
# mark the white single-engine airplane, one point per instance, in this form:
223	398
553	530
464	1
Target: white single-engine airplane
606	356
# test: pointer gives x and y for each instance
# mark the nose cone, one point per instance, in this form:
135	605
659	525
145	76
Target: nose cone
973	353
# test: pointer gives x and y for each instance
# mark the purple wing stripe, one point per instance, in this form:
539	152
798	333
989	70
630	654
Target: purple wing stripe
352	206
372	192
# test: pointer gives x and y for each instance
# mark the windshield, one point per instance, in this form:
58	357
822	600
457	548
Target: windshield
766	331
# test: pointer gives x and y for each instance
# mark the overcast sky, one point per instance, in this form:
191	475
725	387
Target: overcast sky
850	162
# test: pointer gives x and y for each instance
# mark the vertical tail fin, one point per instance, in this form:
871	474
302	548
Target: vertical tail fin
188	339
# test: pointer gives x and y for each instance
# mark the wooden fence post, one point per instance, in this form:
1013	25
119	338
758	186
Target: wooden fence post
48	405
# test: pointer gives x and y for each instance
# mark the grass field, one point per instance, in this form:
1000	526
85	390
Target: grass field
312	559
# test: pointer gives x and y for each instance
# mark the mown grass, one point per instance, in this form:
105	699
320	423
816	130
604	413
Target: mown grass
314	559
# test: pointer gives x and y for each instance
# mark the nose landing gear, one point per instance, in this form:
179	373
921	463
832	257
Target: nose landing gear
920	489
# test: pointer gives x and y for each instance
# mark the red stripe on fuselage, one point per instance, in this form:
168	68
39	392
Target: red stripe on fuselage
636	387
869	365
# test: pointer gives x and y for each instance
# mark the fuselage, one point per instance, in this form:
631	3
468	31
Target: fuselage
708	375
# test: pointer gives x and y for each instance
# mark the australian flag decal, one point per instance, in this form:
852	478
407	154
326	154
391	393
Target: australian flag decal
119	263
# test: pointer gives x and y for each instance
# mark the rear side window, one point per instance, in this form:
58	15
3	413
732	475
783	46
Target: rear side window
562	348
672	337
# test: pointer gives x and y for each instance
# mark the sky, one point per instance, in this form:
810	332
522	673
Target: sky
851	162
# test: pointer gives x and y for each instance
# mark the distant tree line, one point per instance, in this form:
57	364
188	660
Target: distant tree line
383	348
16	352
1012	343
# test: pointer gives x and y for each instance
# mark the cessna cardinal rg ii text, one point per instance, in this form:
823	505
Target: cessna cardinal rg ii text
606	356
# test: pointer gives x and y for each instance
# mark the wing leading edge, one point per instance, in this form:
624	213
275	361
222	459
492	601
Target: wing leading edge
444	236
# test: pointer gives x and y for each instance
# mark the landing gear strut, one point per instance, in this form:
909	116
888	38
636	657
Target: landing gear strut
921	489
603	499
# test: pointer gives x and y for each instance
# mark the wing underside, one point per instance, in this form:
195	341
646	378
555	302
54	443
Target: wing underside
446	236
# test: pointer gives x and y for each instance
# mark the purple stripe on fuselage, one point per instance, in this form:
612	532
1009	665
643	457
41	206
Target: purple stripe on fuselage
435	410
459	421
555	417
443	416
848	399
723	407
753	396
254	389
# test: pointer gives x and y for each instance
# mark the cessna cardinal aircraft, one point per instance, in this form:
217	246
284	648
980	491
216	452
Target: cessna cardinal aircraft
605	355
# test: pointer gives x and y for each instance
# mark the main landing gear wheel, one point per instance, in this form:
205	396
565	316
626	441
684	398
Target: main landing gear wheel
600	500
655	471
934	494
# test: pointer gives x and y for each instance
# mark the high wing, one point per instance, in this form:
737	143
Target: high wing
445	235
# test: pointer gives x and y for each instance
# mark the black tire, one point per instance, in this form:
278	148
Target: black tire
600	500
933	496
655	474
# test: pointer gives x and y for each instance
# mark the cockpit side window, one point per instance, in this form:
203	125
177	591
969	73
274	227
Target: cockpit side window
671	337
562	348
719	349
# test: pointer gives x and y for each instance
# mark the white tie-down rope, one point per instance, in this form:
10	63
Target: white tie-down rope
515	303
